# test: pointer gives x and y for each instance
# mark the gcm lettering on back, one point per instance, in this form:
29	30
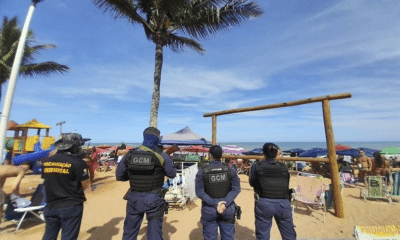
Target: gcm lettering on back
218	178
141	160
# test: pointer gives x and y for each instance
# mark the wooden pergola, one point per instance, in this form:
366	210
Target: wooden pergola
330	140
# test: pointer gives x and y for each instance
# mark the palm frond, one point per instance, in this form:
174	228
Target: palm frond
9	34
204	18
123	9
31	51
4	72
8	57
44	68
177	44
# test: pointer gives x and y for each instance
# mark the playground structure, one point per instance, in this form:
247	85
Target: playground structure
28	148
330	141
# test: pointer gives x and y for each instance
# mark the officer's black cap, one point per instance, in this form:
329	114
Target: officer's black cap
151	131
270	150
216	151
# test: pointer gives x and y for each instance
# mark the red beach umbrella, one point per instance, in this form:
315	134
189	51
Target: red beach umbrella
195	148
341	147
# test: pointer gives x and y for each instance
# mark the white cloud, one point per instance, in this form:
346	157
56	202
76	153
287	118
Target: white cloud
201	83
33	102
184	121
352	32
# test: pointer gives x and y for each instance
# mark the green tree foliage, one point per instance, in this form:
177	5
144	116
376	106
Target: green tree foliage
9	38
165	21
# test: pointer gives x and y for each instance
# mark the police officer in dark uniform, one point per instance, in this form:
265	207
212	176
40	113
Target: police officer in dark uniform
270	180
217	185
145	167
65	179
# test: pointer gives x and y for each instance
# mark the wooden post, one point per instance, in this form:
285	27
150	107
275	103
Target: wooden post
214	129
333	167
24	139
279	105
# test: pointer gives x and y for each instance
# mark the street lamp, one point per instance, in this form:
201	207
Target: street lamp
5	116
60	124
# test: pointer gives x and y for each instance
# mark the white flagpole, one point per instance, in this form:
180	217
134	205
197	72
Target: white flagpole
5	116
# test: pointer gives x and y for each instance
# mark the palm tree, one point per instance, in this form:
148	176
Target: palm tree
9	38
163	20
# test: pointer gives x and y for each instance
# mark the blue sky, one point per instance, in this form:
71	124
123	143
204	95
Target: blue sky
297	49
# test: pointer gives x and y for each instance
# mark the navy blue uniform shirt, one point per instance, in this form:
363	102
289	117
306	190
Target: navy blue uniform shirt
169	168
213	202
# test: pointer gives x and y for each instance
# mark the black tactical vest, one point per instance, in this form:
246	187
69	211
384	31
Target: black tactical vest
217	180
274	179
145	171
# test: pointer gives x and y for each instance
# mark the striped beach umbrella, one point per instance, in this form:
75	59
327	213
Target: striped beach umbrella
233	149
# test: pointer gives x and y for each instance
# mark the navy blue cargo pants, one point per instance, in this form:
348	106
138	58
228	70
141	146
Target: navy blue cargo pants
138	204
211	220
265	209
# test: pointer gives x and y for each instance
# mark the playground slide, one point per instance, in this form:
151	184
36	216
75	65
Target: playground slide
32	158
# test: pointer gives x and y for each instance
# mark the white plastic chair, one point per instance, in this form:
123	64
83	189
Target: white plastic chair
37	204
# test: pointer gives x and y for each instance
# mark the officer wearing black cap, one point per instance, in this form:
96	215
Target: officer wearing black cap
145	167
270	180
65	179
217	185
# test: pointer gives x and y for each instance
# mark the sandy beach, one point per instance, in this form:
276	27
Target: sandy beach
104	214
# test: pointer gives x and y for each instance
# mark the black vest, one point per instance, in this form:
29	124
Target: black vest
217	180
274	179
145	171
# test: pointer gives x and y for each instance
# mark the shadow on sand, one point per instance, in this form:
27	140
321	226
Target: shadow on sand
102	178
242	233
107	231
167	229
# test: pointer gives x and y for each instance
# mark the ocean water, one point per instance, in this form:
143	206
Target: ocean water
290	145
308	145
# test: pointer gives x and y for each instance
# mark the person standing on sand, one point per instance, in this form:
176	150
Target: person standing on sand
270	180
65	180
364	164
145	167
120	147
381	167
217	185
92	164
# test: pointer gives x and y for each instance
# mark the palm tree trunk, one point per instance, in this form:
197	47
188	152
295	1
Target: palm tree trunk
155	101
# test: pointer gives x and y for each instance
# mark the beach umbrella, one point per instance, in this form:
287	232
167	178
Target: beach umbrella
255	151
233	149
314	152
391	150
349	152
340	147
12	125
294	150
195	148
368	151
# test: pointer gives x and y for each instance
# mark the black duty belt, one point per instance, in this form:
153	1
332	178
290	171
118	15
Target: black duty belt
274	197
161	192
153	191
